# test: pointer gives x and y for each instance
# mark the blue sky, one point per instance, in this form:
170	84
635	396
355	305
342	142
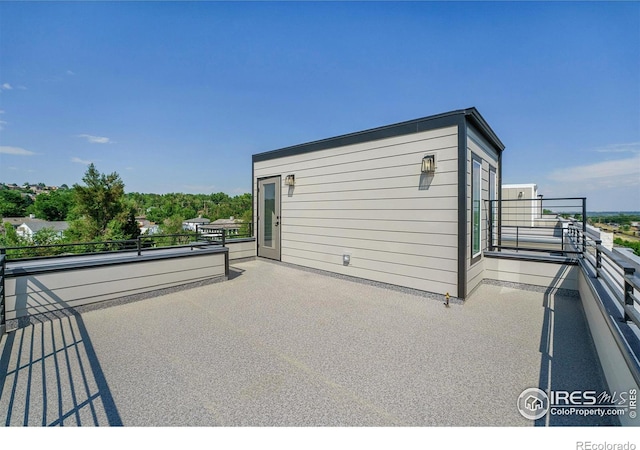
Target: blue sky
176	97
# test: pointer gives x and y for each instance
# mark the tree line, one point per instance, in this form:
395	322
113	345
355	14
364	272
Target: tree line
99	209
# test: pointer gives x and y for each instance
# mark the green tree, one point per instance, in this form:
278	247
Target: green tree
635	245
45	236
124	226
11	238
53	206
97	203
13	203
172	225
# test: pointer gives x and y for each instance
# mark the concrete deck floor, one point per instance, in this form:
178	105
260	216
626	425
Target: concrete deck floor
276	345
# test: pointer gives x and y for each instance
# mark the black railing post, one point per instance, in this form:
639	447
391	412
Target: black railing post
499	233
598	257
580	237
517	237
570	233
628	291
223	238
584	215
196	232
139	245
489	226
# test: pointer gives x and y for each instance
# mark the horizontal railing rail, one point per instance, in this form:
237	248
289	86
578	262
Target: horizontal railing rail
141	243
240	231
615	271
532	224
202	235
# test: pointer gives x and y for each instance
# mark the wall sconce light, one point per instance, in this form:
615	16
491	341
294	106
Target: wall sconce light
290	180
520	194
429	164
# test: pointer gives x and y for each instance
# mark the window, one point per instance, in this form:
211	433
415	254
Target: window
476	211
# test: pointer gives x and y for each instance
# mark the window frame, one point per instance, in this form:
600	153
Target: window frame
476	162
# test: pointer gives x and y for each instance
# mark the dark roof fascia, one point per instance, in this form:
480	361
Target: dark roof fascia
483	127
387	131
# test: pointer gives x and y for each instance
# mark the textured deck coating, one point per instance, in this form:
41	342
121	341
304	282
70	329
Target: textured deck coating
275	346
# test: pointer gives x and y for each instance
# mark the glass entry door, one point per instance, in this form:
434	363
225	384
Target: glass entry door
269	218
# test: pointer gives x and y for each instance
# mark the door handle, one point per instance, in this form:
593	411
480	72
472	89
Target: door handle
277	223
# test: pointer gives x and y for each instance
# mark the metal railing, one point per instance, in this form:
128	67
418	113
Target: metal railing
223	234
616	272
140	244
532	224
202	236
559	227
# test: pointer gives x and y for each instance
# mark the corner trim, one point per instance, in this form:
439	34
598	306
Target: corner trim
462	207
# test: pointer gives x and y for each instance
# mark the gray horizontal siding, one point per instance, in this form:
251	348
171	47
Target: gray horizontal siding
383	276
50	291
396	267
373	204
435	252
379	254
383	226
390	194
240	250
531	272
372	200
367	153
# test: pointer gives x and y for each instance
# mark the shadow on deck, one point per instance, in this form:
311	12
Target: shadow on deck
50	375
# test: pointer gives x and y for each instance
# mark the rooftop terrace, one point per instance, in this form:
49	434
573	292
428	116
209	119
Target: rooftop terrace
279	345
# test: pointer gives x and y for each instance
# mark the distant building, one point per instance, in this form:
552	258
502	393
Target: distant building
146	226
191	224
17	221
230	225
521	206
32	226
